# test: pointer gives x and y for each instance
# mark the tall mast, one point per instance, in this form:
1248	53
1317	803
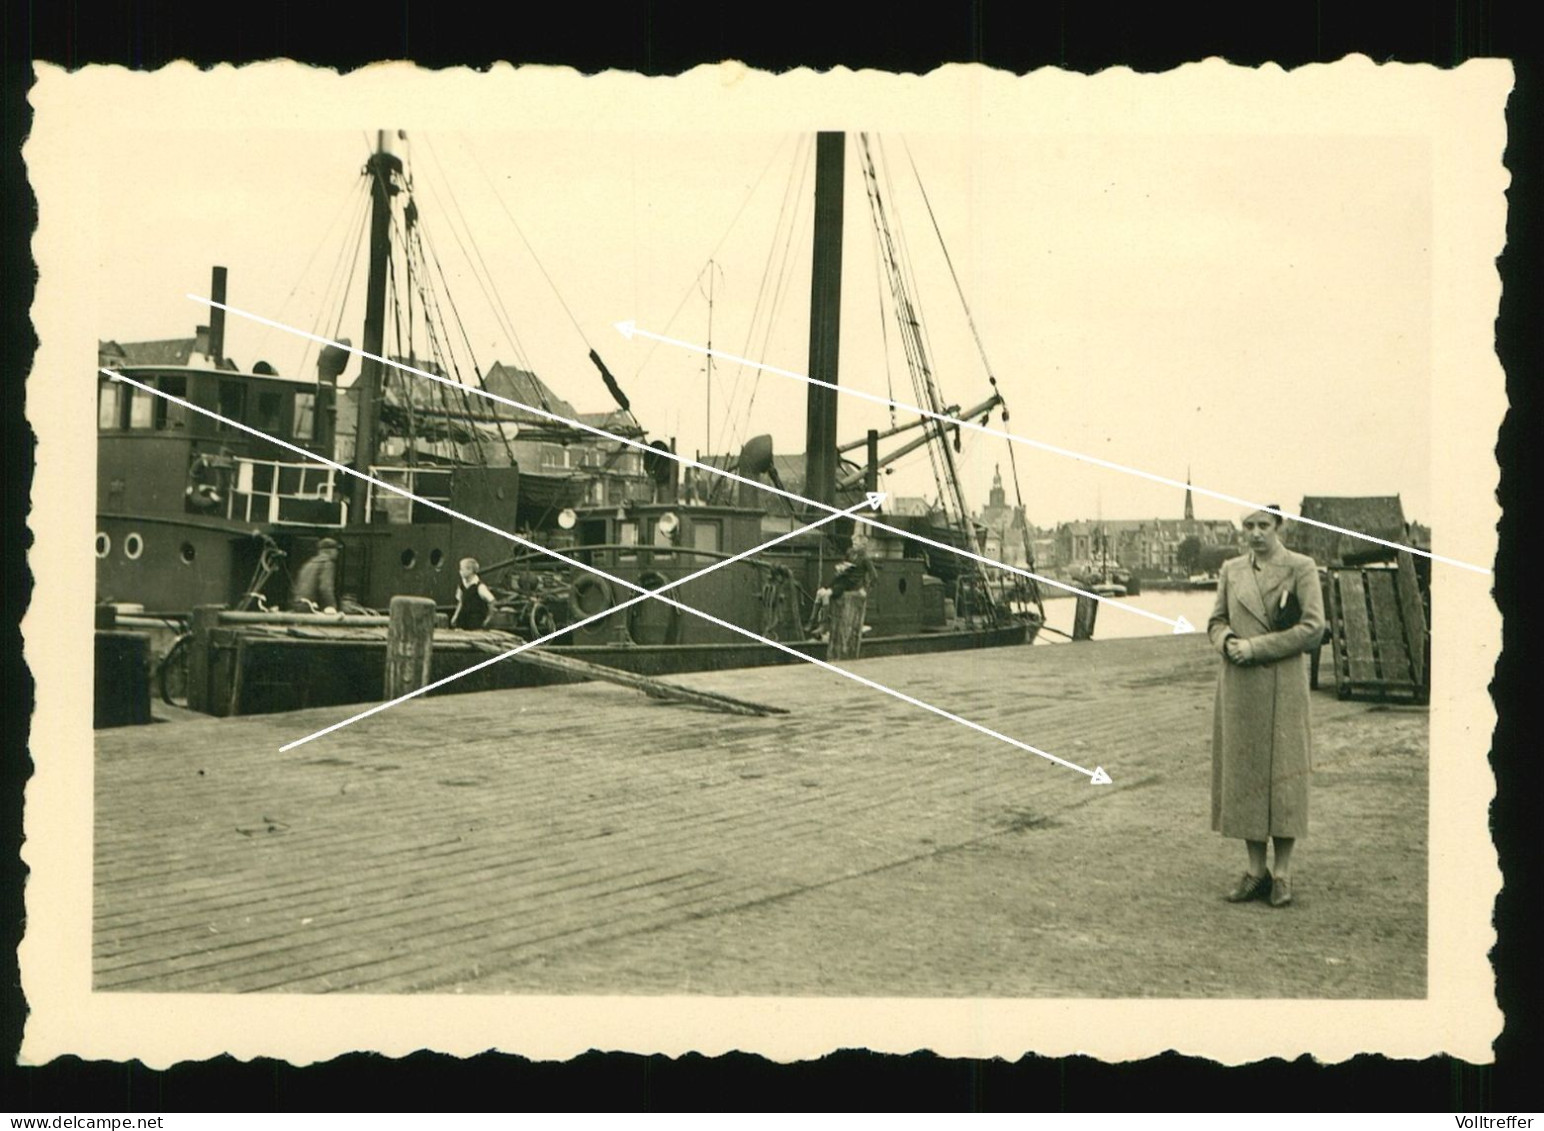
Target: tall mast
825	319
382	169
712	270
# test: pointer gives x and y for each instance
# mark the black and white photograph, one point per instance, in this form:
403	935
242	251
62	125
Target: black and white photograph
974	562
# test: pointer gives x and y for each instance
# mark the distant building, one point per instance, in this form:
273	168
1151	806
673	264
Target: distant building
1147	545
1044	542
194	351
1004	526
450	424
909	505
1086	542
1381	516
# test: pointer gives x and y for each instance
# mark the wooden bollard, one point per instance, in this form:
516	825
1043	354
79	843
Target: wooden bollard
847	613
1083	617
409	645
205	619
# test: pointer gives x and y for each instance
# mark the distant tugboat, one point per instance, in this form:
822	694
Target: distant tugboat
1108	587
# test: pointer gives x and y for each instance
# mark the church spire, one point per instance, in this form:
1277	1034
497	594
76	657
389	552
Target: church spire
1190	505
997	497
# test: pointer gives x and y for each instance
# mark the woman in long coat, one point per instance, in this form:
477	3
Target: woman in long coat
1261	736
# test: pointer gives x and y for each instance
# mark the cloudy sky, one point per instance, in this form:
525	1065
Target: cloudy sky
1254	308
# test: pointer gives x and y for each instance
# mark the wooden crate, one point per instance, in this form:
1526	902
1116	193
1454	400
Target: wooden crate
1378	632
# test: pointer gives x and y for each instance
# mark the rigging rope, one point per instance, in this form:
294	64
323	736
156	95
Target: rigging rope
534	257
781	253
909	326
466	338
348	286
1013	462
439	351
780	288
1029	553
609	381
353	197
959	290
777	253
884	327
916	347
495	299
924	352
687	294
386	372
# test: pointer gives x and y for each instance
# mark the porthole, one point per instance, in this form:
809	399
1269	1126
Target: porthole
133	546
409	558
437	558
104	545
188	553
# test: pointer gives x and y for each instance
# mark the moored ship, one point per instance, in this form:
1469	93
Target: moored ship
193	511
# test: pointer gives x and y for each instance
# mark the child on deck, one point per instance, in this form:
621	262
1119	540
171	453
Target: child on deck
474	600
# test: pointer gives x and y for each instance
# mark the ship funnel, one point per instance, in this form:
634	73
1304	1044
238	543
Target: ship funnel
217	317
756	456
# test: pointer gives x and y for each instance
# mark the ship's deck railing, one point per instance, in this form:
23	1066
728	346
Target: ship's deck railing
429	483
286	494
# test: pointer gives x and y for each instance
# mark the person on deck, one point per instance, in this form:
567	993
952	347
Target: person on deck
1269	615
316	586
474	600
849	602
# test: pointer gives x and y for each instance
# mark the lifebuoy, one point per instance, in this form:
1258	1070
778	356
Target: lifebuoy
206	481
653	579
592	595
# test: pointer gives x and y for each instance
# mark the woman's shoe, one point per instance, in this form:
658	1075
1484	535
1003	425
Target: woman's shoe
1281	892
1250	887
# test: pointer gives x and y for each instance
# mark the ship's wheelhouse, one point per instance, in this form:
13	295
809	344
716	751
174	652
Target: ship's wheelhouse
182	498
157	457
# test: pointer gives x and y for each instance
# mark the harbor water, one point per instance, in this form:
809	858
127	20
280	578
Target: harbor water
1116	623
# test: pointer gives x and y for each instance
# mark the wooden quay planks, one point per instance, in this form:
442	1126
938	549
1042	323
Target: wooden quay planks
450	838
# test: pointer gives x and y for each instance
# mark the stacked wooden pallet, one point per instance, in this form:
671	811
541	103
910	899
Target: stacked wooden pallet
1379	633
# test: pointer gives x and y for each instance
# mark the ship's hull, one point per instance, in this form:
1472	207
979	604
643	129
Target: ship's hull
169	564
